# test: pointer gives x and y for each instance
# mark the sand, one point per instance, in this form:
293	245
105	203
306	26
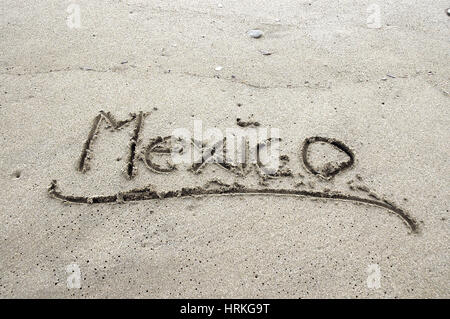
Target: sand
320	70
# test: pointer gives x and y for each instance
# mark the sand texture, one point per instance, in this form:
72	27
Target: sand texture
87	189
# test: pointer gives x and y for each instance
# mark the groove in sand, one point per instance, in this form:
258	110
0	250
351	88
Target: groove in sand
236	190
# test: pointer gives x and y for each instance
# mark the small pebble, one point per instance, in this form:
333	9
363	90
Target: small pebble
220	5
448	12
218	68
265	52
255	33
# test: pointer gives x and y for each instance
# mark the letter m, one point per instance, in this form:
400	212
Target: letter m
86	152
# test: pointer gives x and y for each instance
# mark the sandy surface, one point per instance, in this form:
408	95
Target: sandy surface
384	92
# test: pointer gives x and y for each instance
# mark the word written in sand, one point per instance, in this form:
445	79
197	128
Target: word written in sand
236	152
162	147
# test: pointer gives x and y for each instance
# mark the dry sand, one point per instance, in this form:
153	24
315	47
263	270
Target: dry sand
383	92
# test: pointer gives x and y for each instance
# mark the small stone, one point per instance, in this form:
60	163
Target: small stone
265	52
220	5
255	33
218	68
448	12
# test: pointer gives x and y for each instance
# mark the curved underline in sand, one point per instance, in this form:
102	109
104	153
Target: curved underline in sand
148	194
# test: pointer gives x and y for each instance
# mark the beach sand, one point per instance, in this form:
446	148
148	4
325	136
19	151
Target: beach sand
382	91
